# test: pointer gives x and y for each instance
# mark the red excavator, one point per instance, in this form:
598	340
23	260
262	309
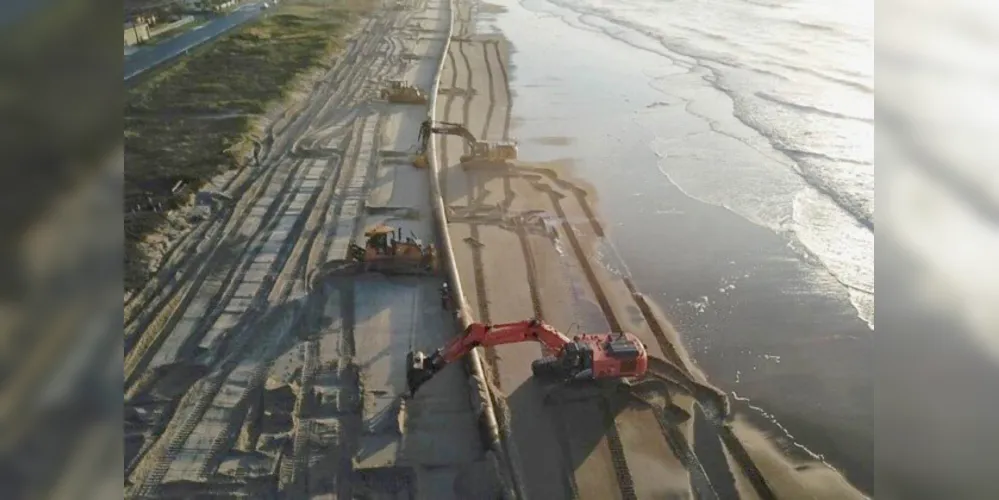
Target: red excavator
614	356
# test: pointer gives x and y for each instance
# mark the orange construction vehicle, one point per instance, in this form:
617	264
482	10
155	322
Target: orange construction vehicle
587	357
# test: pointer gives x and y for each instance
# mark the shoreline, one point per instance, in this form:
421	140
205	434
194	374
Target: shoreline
677	283
568	284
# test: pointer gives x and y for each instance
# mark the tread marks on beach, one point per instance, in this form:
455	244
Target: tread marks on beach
492	92
144	344
532	272
257	183
558	420
677	441
317	240
448	102
506	88
562	436
466	118
577	248
238	343
614	444
295	263
151	341
699	482
749	468
203	392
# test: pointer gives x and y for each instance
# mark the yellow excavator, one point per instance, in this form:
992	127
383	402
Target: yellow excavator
500	152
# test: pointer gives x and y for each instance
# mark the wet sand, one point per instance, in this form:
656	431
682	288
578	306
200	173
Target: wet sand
552	262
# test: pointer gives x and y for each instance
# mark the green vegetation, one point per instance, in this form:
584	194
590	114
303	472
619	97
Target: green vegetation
195	119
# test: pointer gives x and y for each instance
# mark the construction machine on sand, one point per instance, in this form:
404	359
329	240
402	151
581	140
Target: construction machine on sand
386	251
585	357
575	368
498	152
404	93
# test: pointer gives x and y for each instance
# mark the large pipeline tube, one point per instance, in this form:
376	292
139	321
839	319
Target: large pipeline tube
481	395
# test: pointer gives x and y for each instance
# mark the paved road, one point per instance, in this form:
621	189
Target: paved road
152	55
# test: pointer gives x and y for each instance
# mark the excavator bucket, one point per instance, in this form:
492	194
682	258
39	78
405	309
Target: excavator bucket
418	370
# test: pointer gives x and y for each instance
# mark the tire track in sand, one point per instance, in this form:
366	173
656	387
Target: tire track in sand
201	405
725	433
506	87
471	178
612	438
562	436
492	92
342	72
447	116
147	346
466	118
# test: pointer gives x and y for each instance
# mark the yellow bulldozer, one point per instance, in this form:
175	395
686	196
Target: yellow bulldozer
499	152
403	93
387	252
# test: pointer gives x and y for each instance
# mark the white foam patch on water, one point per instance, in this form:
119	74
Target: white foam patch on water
794	120
788	206
845	247
744	186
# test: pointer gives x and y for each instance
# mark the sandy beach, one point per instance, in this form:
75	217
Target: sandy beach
251	371
529	242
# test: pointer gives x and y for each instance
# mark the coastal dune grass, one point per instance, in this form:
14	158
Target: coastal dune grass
196	118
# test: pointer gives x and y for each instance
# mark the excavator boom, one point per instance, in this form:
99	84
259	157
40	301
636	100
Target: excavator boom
479	334
480	150
586	356
421	367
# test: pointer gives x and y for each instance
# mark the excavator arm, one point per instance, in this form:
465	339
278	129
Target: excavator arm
449	128
446	128
421	368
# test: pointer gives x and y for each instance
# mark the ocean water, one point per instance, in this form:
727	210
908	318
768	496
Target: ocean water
800	73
